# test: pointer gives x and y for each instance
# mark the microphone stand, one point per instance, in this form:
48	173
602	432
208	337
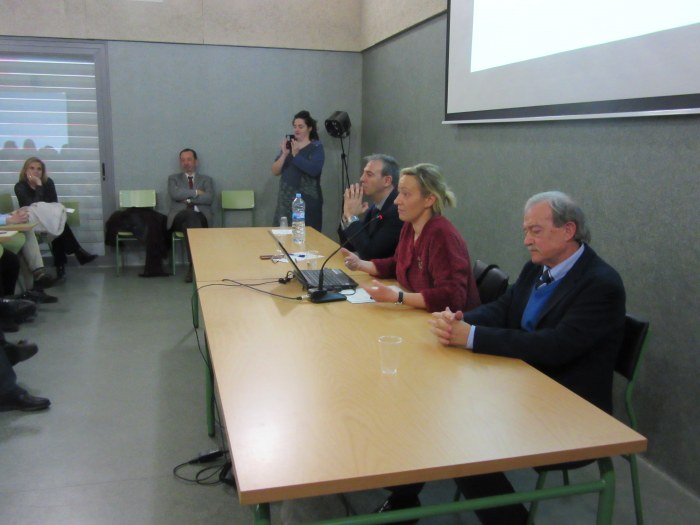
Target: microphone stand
319	295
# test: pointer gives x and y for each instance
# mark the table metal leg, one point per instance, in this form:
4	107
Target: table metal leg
606	500
605	487
262	514
209	391
195	304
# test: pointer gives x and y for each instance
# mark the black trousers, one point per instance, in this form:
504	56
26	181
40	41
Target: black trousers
9	272
64	245
185	220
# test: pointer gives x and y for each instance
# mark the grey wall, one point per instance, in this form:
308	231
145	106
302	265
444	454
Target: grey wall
233	105
637	179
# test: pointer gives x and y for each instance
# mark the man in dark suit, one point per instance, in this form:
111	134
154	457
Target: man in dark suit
565	316
191	198
378	183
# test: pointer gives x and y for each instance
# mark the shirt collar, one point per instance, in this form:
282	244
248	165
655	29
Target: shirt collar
560	270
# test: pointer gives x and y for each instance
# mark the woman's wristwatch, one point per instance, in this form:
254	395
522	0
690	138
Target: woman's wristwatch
400	299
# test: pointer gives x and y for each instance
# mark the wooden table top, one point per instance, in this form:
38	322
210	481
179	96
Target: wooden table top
234	253
21	227
308	411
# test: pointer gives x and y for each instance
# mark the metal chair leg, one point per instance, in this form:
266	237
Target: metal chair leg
632	458
533	506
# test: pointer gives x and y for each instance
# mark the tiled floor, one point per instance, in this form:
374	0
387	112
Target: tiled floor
118	358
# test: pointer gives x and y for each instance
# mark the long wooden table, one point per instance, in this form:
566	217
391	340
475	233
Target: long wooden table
308	412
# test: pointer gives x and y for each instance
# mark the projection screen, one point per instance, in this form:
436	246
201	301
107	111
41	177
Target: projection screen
514	60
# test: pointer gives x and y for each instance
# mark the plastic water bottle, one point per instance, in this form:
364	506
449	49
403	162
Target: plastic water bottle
298	220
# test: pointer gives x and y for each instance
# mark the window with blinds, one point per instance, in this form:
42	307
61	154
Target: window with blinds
48	109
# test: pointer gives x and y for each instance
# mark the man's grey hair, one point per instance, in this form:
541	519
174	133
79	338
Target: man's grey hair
390	168
564	209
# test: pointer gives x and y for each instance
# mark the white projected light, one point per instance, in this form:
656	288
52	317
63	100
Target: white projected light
509	31
510	60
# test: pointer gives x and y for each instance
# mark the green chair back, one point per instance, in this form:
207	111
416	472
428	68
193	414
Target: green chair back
137	198
6	204
232	200
72	219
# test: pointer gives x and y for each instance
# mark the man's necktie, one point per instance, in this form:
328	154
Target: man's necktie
190	183
545	278
373	212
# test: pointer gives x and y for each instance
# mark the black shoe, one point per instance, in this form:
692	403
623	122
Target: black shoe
394	503
38	296
188	275
17	310
60	272
22	400
84	257
20	351
43	280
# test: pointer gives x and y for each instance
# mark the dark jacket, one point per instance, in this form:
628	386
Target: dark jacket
148	226
379	239
577	335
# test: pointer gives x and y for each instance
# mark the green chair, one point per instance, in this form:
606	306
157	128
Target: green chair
6	204
237	200
72	219
176	238
627	366
129	199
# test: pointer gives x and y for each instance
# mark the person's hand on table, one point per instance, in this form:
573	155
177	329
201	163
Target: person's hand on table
18	216
380	292
450	328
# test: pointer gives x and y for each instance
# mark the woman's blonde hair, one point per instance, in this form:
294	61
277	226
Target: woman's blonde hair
23	171
432	182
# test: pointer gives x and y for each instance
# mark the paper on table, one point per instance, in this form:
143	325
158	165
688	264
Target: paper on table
299	256
360	296
282	231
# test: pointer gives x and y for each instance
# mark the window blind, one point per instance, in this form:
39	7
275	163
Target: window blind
48	109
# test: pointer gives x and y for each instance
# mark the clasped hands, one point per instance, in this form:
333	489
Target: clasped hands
450	328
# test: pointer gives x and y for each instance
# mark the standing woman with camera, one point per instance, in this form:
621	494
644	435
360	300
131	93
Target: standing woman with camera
300	163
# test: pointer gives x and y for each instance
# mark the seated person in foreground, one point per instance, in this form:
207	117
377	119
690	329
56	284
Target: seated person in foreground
12	396
371	238
36	186
431	260
27	247
191	196
565	315
12	310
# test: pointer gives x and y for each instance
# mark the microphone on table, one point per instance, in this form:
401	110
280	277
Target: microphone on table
319	295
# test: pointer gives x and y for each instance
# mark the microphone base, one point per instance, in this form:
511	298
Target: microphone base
324	296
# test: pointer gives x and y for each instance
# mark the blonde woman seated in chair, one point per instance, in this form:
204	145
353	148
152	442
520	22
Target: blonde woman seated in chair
36	186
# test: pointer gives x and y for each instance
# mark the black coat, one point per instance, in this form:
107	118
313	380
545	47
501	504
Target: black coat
378	240
148	226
